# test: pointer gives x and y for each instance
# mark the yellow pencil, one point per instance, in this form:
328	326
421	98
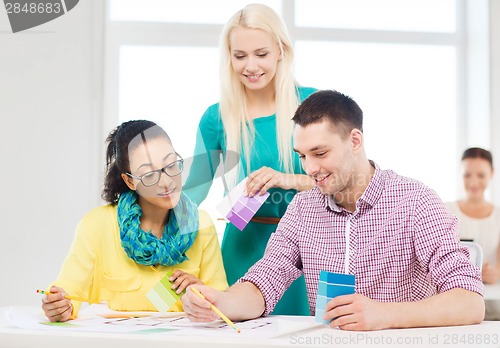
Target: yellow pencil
219	313
68	297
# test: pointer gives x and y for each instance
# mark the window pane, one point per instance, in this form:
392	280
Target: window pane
167	85
186	11
172	86
407	15
408	96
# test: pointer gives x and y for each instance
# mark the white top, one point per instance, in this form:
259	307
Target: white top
485	231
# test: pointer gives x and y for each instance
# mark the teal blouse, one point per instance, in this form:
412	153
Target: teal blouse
241	249
210	143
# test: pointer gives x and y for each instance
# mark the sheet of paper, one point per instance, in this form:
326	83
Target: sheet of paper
238	208
92	319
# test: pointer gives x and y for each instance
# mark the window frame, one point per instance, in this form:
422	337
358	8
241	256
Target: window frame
471	39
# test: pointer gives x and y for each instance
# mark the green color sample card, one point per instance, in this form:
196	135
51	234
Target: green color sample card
162	296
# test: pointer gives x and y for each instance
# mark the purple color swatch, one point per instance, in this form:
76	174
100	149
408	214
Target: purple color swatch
236	220
244	210
252	203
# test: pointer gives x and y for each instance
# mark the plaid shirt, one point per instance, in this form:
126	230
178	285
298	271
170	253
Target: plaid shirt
402	244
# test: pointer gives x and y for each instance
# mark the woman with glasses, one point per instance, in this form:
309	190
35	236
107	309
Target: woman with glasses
148	229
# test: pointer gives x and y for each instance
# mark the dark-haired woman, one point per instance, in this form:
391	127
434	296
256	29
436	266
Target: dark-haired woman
121	250
479	219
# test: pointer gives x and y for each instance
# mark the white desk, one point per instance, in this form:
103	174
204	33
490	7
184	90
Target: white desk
492	291
486	334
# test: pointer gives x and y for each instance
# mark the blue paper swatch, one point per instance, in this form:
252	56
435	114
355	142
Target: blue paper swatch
331	285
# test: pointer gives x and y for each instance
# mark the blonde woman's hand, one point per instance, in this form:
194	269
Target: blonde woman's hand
181	280
262	180
56	306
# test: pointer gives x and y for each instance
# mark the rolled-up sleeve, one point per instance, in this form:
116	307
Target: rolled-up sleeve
281	263
437	247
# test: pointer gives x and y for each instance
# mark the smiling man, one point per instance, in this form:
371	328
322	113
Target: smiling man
393	233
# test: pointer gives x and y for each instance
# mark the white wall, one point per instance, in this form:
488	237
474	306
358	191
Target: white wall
50	104
495	93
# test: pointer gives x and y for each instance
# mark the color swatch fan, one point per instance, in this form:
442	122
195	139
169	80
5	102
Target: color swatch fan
331	285
162	296
238	208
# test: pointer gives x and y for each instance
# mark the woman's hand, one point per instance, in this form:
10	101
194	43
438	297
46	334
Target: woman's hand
56	306
262	180
489	274
181	280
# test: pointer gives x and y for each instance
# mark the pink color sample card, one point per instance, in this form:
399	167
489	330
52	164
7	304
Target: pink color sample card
240	209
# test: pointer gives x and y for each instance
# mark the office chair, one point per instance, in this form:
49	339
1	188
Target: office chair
476	253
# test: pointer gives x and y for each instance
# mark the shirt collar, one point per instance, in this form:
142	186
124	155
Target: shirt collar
375	187
370	196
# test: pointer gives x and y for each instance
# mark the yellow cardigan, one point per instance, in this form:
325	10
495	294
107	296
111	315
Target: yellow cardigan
98	268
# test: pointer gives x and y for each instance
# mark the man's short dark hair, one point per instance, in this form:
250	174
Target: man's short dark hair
342	111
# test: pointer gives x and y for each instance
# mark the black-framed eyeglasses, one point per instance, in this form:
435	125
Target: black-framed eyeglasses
153	177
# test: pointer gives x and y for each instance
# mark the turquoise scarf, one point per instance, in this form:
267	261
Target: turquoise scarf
144	247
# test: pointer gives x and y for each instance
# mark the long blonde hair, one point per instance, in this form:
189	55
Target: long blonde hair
238	127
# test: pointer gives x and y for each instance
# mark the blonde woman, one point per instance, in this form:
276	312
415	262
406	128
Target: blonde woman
259	96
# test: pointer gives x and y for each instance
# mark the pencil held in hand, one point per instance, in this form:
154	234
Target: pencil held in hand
75	298
219	313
